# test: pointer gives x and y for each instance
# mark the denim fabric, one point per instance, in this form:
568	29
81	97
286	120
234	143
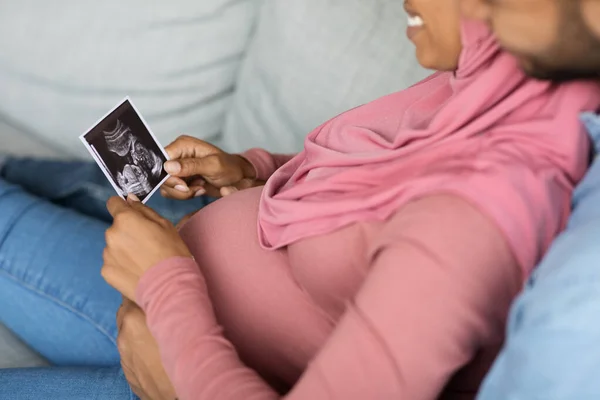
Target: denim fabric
552	349
55	383
83	187
52	296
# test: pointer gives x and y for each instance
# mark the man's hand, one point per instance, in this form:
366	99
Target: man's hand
140	358
199	168
138	239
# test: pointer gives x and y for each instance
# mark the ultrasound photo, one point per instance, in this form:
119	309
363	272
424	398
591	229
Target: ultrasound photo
127	152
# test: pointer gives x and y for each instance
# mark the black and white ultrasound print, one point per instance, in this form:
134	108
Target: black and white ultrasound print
127	152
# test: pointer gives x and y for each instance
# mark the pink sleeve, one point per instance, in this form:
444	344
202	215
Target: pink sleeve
265	163
440	283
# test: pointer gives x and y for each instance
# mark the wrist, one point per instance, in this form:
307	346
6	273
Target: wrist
247	167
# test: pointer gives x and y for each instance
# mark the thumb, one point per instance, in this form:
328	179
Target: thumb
187	167
190	147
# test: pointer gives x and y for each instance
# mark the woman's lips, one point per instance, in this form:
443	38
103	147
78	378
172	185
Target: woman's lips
415	22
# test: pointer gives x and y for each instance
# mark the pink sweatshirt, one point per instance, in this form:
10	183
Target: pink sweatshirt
387	252
367	312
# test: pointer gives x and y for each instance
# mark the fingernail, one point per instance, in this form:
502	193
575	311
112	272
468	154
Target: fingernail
132	197
226	191
199	192
172	167
182	188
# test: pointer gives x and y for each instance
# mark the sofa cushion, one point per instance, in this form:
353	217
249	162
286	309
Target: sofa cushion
19	142
65	63
312	59
15	354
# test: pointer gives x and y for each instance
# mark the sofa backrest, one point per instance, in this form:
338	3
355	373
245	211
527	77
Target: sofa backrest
65	63
312	59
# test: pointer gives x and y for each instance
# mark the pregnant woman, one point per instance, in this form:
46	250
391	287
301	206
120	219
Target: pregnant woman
375	264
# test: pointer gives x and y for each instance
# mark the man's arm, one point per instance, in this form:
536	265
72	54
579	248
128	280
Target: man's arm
140	358
551	351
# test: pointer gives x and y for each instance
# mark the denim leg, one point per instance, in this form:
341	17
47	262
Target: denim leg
51	292
83	187
64	384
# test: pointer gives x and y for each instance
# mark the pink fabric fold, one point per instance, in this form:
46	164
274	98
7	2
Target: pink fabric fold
510	145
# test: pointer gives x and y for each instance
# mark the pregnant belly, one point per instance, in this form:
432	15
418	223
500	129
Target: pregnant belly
274	325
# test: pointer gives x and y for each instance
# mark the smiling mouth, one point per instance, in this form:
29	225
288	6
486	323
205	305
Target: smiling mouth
414	19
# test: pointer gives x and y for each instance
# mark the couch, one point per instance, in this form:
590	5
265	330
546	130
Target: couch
236	73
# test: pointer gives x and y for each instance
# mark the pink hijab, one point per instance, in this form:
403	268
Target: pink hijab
510	145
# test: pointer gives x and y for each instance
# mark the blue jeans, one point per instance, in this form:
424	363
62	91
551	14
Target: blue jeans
552	349
82	186
52	223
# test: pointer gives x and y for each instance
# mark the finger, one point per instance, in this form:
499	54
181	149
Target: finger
187	167
196	181
123	281
132	198
189	147
116	205
123	309
107	257
241	185
198	187
120	316
176	183
198	191
245	184
127	307
172	193
227	190
147	212
209	190
126	303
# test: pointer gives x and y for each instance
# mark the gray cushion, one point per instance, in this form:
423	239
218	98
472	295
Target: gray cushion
65	63
15	354
312	59
17	141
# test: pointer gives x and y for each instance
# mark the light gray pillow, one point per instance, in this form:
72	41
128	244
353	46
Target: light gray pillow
64	63
15	354
312	59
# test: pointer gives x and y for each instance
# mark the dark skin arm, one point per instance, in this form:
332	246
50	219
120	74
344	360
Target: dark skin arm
140	358
138	239
199	168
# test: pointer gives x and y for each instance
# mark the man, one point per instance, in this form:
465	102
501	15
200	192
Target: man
553	39
552	351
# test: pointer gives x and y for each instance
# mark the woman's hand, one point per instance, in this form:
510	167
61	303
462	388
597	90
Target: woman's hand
138	239
140	358
199	168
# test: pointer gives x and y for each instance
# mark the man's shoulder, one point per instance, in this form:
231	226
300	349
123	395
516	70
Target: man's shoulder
591	120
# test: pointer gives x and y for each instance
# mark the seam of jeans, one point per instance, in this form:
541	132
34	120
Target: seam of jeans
59	303
11	222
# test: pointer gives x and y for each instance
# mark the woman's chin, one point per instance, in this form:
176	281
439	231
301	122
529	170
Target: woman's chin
425	60
430	60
